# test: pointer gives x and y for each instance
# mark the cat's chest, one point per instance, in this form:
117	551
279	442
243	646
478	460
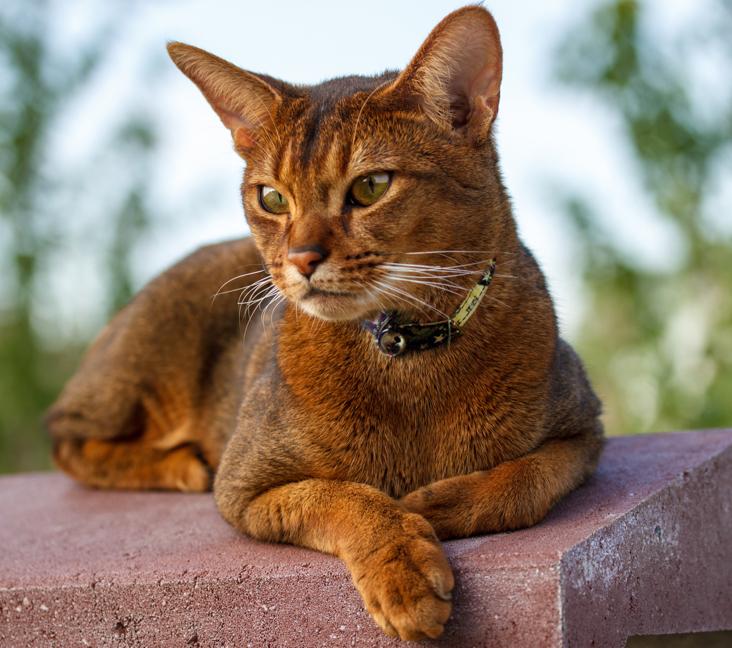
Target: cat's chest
398	454
398	430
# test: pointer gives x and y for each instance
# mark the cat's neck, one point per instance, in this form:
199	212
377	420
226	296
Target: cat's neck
333	358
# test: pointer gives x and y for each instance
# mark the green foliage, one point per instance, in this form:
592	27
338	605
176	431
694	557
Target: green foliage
37	84
658	343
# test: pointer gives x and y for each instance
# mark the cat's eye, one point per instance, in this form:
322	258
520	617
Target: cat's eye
367	189
272	200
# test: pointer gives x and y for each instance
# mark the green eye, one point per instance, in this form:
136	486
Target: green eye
273	201
367	189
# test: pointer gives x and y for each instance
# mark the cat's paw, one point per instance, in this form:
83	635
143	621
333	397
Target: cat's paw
444	505
132	465
406	583
184	470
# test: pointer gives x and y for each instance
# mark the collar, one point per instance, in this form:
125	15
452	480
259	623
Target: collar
396	338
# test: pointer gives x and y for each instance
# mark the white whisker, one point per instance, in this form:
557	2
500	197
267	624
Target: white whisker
432	274
248	295
444	286
242	288
373	293
421	266
408	295
268	306
451	252
490	252
241	276
273	290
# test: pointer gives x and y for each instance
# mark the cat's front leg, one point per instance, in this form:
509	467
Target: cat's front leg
513	495
395	560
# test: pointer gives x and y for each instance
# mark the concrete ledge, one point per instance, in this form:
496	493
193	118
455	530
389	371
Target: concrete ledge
644	548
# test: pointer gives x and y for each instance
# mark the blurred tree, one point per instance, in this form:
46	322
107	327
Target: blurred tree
37	84
658	343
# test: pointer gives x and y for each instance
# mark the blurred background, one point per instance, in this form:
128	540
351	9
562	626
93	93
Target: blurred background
615	134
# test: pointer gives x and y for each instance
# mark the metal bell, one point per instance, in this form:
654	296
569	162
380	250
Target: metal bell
392	343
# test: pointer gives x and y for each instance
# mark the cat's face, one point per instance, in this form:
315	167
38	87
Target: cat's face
355	189
338	194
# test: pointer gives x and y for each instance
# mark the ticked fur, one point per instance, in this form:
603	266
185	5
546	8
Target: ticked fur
313	435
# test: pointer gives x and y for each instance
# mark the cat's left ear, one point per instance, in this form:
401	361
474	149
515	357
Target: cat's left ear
455	77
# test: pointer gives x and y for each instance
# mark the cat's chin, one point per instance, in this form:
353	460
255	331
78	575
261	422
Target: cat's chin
336	308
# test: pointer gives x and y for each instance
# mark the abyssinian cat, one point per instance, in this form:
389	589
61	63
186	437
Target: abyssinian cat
410	386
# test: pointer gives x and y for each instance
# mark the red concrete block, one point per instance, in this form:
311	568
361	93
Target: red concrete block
644	548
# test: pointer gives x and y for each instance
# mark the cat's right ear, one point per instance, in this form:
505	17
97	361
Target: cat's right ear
244	101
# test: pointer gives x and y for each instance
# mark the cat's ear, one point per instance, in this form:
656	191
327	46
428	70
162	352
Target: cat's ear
455	77
244	101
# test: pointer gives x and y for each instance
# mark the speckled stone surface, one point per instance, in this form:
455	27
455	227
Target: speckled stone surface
645	547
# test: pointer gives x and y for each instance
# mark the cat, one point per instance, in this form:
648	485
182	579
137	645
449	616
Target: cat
377	211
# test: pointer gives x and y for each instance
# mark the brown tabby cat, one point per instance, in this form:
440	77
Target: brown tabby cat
365	195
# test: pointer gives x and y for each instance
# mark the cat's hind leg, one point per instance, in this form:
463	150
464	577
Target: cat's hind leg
119	435
156	396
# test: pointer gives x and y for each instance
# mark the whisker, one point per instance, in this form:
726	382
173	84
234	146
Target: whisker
421	266
259	282
270	293
437	279
436	271
248	293
446	287
252	301
408	295
249	290
253	296
226	283
269	304
452	252
247	307
389	292
374	293
315	324
506	252
272	290
432	274
275	303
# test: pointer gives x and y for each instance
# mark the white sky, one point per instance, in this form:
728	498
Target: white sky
545	134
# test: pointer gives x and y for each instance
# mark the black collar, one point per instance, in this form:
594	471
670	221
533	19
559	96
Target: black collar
396	338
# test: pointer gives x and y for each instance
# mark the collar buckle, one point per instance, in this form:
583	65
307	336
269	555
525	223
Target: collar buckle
395	339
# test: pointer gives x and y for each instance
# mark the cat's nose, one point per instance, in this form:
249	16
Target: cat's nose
306	258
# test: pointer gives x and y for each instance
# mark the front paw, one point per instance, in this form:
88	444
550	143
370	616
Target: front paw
406	583
443	505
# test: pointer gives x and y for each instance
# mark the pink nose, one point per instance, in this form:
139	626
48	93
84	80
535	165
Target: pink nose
306	258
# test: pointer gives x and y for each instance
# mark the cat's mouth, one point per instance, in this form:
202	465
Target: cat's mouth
319	292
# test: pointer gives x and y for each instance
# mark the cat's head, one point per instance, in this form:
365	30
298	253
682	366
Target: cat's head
358	189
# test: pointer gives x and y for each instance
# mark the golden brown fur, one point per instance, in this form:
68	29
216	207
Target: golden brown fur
314	436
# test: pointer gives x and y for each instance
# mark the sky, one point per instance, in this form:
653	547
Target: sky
547	136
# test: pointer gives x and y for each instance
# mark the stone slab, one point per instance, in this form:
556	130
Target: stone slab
645	547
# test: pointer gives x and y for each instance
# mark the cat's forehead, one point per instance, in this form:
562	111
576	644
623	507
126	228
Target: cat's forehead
316	131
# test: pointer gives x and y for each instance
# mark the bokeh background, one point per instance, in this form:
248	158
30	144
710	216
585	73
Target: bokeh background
615	131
